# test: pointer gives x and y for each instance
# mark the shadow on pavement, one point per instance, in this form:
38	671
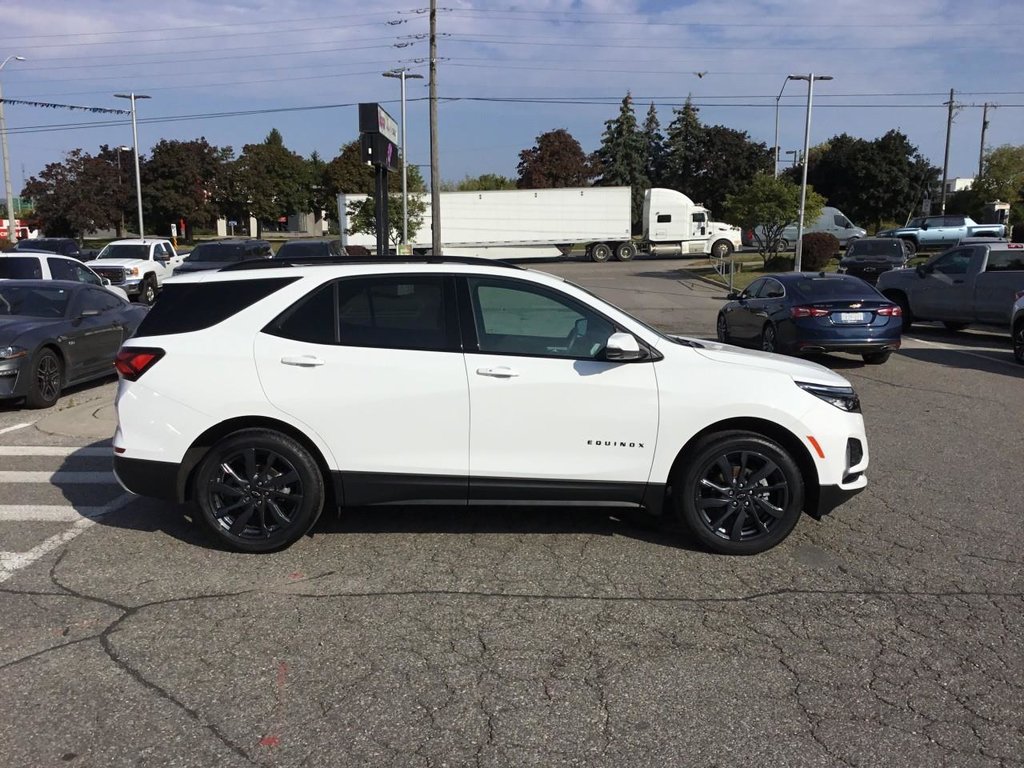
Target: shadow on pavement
991	362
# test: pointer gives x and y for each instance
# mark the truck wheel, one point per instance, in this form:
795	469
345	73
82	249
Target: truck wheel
900	298
600	252
722	249
147	291
783	245
911	247
625	252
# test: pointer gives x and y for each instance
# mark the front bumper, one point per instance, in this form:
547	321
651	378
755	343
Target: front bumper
14	377
832	496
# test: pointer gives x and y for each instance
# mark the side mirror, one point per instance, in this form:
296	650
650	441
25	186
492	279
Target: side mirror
924	225
622	347
105	281
924	269
732	296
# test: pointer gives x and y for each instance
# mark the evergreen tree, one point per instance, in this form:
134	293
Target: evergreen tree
684	149
654	146
622	156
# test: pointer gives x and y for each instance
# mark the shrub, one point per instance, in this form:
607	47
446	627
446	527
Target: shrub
818	250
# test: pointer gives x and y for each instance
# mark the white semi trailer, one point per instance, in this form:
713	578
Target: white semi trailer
552	222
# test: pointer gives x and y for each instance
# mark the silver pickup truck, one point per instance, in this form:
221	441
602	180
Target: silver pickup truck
968	284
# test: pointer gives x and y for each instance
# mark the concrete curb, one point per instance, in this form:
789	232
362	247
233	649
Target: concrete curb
92	419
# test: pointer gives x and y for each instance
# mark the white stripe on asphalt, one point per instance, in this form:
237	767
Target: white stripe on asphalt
11	562
17	426
46	513
52	450
990	358
57	478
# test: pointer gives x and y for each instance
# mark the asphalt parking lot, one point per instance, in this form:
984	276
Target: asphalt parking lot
890	633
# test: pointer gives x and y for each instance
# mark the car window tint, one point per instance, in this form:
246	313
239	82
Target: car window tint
61	269
20	268
772	289
312	319
753	289
33	301
1005	261
98	300
953	221
519	319
829	288
86	275
953	263
185	307
393	312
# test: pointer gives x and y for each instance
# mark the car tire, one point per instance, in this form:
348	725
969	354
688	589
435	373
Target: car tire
769	338
600	252
47	380
850	241
722	249
783	245
722	329
272	482
954	326
738	493
911	247
1018	342
625	252
876	358
147	291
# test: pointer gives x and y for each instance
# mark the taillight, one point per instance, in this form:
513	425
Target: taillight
893	311
132	362
808	312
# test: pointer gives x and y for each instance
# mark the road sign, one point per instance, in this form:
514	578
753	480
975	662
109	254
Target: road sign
373	119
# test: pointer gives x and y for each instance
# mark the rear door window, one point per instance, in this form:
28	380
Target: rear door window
20	268
1005	260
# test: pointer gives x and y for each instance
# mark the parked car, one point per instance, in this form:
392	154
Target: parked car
802	313
869	257
309	249
64	246
215	254
55	333
138	266
831	220
965	285
1017	327
353	383
942	231
26	265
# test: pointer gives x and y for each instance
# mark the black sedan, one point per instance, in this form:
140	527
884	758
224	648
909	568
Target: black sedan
803	313
55	333
869	257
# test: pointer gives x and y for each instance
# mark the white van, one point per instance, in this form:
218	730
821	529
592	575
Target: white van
832	220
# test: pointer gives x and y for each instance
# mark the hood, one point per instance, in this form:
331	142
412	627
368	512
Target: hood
99	263
718	226
200	266
794	367
13	327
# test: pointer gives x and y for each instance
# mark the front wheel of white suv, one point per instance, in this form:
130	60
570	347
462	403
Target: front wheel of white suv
739	493
259	490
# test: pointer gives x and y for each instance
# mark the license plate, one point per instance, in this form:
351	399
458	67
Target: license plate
852	317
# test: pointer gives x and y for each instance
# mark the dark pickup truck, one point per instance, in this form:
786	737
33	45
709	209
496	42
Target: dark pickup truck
968	284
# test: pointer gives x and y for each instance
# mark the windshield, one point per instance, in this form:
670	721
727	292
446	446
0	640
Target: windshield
915	223
31	301
875	248
125	251
832	288
216	252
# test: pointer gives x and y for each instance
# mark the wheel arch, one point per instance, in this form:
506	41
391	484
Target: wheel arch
770	429
189	464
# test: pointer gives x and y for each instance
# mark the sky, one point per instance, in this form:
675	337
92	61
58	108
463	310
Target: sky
506	72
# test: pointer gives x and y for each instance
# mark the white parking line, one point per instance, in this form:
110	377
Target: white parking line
16	426
57	478
46	513
52	450
953	348
12	562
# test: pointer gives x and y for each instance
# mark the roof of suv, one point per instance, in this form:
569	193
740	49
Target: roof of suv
139	241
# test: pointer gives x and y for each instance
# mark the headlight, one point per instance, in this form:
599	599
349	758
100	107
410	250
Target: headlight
843	398
134	271
10	353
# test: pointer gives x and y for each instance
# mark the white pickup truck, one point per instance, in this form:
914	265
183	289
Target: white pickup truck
137	266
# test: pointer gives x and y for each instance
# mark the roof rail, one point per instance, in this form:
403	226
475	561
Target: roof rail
310	261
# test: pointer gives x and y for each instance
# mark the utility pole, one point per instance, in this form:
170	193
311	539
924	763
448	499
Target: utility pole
945	163
981	152
435	169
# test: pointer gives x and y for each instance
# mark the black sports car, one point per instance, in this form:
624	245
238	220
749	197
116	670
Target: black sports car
55	333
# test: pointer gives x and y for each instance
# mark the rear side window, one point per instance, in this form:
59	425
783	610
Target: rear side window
186	307
20	268
1005	261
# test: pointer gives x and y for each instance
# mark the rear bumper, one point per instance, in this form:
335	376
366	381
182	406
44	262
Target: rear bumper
810	347
156	479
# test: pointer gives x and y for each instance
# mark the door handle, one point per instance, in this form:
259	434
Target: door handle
958	281
500	372
302	361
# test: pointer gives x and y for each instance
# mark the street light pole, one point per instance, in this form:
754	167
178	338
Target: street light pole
135	140
402	74
777	99
120	183
12	230
798	254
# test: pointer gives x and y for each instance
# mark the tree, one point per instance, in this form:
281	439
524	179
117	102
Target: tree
274	180
362	216
1002	178
73	198
622	157
183	180
729	160
767	205
654	147
485	181
683	148
557	160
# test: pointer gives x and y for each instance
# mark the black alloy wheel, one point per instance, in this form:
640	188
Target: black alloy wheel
1018	342
769	342
259	490
47	380
740	493
722	329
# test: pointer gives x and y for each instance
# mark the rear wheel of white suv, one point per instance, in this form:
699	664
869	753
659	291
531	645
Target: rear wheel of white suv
259	490
739	493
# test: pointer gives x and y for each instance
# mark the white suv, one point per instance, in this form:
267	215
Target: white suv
31	265
265	394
